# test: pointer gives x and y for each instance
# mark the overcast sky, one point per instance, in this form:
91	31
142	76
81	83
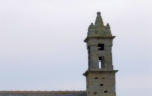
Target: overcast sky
42	48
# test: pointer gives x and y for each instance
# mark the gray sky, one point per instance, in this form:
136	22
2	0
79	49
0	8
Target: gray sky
42	48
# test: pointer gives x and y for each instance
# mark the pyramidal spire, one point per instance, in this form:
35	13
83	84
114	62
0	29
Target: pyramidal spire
99	21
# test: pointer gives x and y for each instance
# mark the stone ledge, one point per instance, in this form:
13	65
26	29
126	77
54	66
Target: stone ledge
100	37
99	71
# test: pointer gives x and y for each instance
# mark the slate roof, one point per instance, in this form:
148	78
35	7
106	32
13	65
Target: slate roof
43	93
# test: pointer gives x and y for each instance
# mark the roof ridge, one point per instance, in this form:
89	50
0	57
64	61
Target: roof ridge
53	92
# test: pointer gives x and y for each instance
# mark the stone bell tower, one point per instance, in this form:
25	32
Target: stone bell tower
100	75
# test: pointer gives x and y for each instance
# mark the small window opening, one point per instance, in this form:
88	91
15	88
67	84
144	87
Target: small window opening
106	91
96	78
101	84
103	77
95	93
101	62
100	46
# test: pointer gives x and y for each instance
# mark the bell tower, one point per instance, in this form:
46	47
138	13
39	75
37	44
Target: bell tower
100	76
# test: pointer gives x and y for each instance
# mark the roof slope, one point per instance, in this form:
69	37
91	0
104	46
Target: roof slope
43	93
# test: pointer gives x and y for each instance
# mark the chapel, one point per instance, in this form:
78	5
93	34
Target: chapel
100	75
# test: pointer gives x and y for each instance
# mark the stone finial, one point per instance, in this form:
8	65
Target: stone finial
99	21
98	13
107	26
91	26
91	29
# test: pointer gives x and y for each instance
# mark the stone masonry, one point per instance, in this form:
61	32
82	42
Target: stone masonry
100	76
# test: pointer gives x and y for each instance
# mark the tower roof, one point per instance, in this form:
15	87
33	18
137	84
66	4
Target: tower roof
99	30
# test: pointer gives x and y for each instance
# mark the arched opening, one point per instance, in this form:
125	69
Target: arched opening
101	62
